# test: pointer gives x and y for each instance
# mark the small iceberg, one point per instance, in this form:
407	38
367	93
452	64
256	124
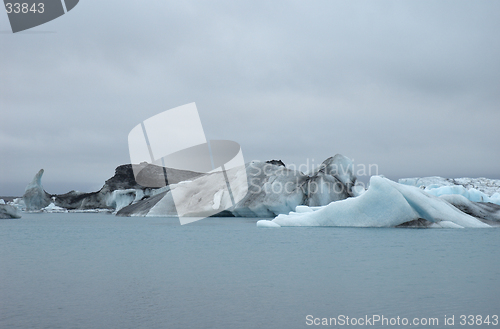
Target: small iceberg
53	208
267	223
8	211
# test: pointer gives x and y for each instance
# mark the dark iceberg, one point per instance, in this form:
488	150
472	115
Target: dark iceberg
273	189
121	187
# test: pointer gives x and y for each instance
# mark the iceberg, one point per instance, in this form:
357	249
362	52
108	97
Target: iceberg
273	189
327	196
117	192
8	211
53	208
35	197
384	204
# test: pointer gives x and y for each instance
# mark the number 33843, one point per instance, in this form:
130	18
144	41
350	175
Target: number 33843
478	320
24	8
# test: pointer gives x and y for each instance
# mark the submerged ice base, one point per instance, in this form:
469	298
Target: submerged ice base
384	204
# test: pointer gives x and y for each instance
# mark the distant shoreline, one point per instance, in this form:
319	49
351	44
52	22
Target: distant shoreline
9	198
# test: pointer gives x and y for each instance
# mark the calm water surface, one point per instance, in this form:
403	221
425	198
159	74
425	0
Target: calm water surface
102	271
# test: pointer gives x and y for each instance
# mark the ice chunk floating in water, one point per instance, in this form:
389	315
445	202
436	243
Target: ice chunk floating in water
384	204
8	211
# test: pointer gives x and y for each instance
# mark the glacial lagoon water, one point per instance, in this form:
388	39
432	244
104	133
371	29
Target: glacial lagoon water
101	271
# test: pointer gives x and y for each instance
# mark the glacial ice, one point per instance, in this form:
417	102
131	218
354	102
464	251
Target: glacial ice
272	189
474	189
53	208
487	212
384	204
202	197
470	194
117	192
267	224
35	197
9	211
121	198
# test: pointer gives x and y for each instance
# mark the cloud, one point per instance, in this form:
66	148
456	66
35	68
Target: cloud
411	86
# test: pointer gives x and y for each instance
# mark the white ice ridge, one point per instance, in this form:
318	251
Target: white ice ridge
384	204
474	189
53	208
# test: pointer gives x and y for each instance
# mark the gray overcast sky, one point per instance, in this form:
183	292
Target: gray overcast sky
412	86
